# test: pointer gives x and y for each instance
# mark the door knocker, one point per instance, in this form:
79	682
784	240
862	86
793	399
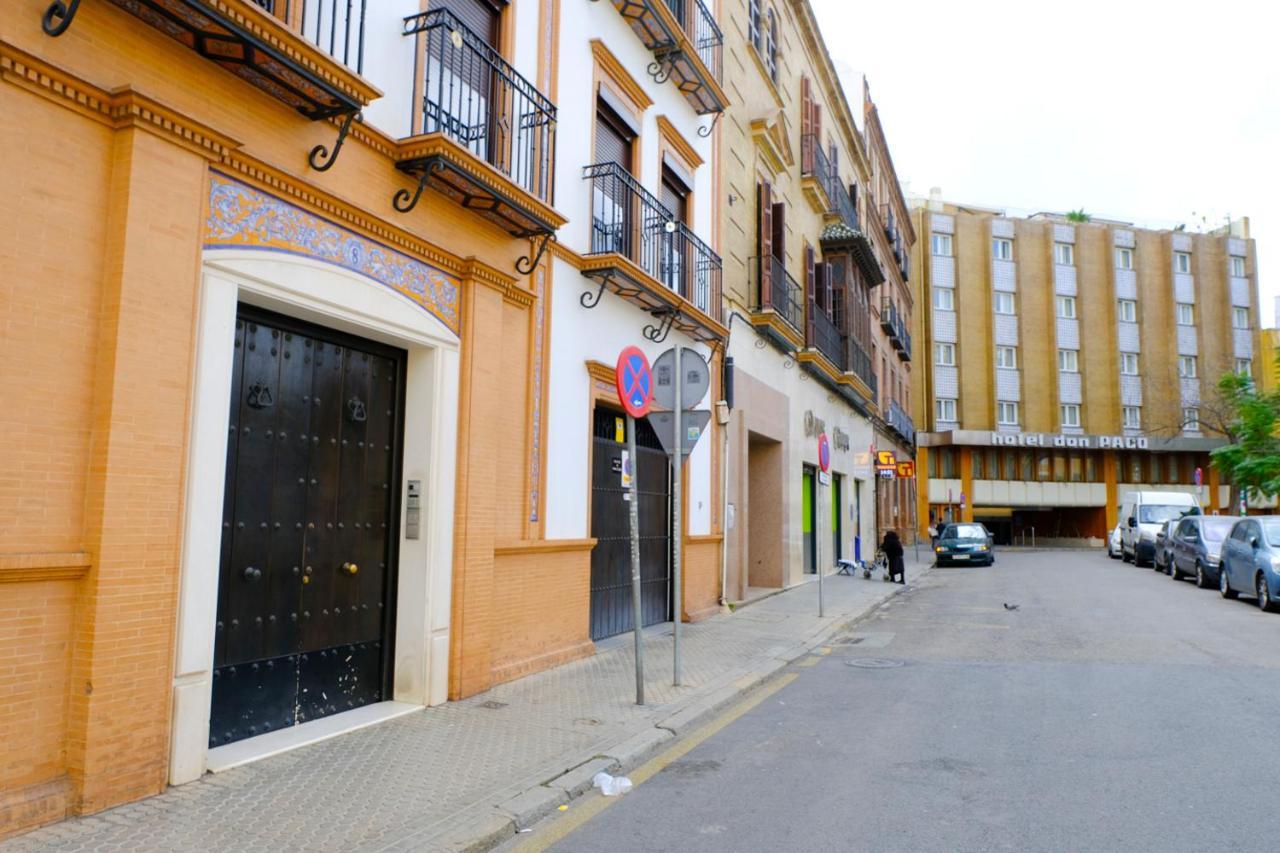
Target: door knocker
356	411
260	396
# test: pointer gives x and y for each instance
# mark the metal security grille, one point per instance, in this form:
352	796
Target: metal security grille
307	573
611	602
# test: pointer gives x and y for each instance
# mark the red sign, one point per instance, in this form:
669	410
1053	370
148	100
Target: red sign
907	469
824	453
635	382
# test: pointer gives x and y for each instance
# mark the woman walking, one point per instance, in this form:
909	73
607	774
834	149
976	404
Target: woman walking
892	547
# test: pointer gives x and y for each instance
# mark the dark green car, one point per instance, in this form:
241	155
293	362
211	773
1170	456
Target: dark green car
967	544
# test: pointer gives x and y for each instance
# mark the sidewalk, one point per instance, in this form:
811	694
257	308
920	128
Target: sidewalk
467	774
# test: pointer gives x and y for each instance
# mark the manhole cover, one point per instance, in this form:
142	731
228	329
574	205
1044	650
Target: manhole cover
492	705
873	663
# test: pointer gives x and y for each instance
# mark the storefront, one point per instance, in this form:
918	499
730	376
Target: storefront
1051	488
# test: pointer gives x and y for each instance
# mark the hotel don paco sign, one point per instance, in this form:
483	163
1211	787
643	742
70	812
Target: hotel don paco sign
1084	442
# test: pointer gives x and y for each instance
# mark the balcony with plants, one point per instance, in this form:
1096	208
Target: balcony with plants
484	136
641	252
687	46
843	232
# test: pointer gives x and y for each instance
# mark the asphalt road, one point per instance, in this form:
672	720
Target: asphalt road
1113	710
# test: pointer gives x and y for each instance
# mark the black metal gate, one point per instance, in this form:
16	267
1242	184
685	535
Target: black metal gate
611	601
307	576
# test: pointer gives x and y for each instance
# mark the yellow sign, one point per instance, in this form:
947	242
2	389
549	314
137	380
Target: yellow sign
620	430
907	469
885	460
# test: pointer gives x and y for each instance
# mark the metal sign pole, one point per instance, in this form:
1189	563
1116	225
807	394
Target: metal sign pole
817	557
635	557
678	498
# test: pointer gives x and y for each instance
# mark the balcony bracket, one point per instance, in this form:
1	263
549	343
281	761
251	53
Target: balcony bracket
405	201
659	333
62	13
589	300
662	67
321	158
524	265
704	132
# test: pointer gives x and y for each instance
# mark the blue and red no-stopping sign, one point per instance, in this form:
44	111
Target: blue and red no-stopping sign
824	453
635	382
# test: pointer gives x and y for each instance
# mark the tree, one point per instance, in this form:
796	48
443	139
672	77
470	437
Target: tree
1078	216
1248	419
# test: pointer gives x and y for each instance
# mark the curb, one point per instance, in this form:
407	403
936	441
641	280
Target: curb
531	805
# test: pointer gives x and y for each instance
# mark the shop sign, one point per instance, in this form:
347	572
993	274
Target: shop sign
840	438
1085	442
906	469
886	461
813	425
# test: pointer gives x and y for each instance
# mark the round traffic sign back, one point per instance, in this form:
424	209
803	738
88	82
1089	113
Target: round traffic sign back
635	382
695	379
824	453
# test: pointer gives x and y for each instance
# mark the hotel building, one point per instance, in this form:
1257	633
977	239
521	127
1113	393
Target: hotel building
1069	362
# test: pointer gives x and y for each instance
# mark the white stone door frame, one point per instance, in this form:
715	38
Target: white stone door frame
340	299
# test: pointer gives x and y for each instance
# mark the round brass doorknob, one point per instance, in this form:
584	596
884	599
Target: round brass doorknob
350	568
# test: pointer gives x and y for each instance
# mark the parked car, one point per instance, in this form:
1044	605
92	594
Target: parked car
968	543
1164	545
1142	514
1251	561
1113	543
1197	547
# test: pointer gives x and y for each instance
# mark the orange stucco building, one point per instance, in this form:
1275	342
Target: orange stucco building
206	202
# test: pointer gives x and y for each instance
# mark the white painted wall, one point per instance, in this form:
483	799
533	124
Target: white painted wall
388	63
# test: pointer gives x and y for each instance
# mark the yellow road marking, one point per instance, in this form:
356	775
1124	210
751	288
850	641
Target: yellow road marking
825	650
596	803
809	661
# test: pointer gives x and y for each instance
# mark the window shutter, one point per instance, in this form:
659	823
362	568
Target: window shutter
764	240
806	127
809	288
780	230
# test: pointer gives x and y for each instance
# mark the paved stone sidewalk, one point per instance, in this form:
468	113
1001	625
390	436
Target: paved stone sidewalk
466	774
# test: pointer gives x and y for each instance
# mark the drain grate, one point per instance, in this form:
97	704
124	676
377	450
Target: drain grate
493	705
873	663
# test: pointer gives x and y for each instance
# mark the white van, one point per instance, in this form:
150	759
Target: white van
1142	514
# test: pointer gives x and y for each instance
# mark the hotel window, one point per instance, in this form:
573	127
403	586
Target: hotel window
944	354
1070	415
754	24
1171	469
942	245
1186	314
1191	419
1182	262
1090	468
1007	413
1239	318
1237	267
1128	364
1187	366
945	410
1131	417
1067	307
1069	360
1124	259
1004	302
1127	311
1244	366
1006	357
944	299
1064	254
1002	249
1044	465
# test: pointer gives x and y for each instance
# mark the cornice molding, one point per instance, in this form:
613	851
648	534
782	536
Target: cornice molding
676	140
618	74
25	568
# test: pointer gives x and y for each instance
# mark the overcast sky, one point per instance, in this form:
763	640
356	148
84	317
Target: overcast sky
1136	110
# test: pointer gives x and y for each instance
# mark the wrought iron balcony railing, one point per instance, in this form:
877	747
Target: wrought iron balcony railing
776	289
825	336
476	98
626	219
814	163
899	421
334	26
860	365
892	322
701	28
